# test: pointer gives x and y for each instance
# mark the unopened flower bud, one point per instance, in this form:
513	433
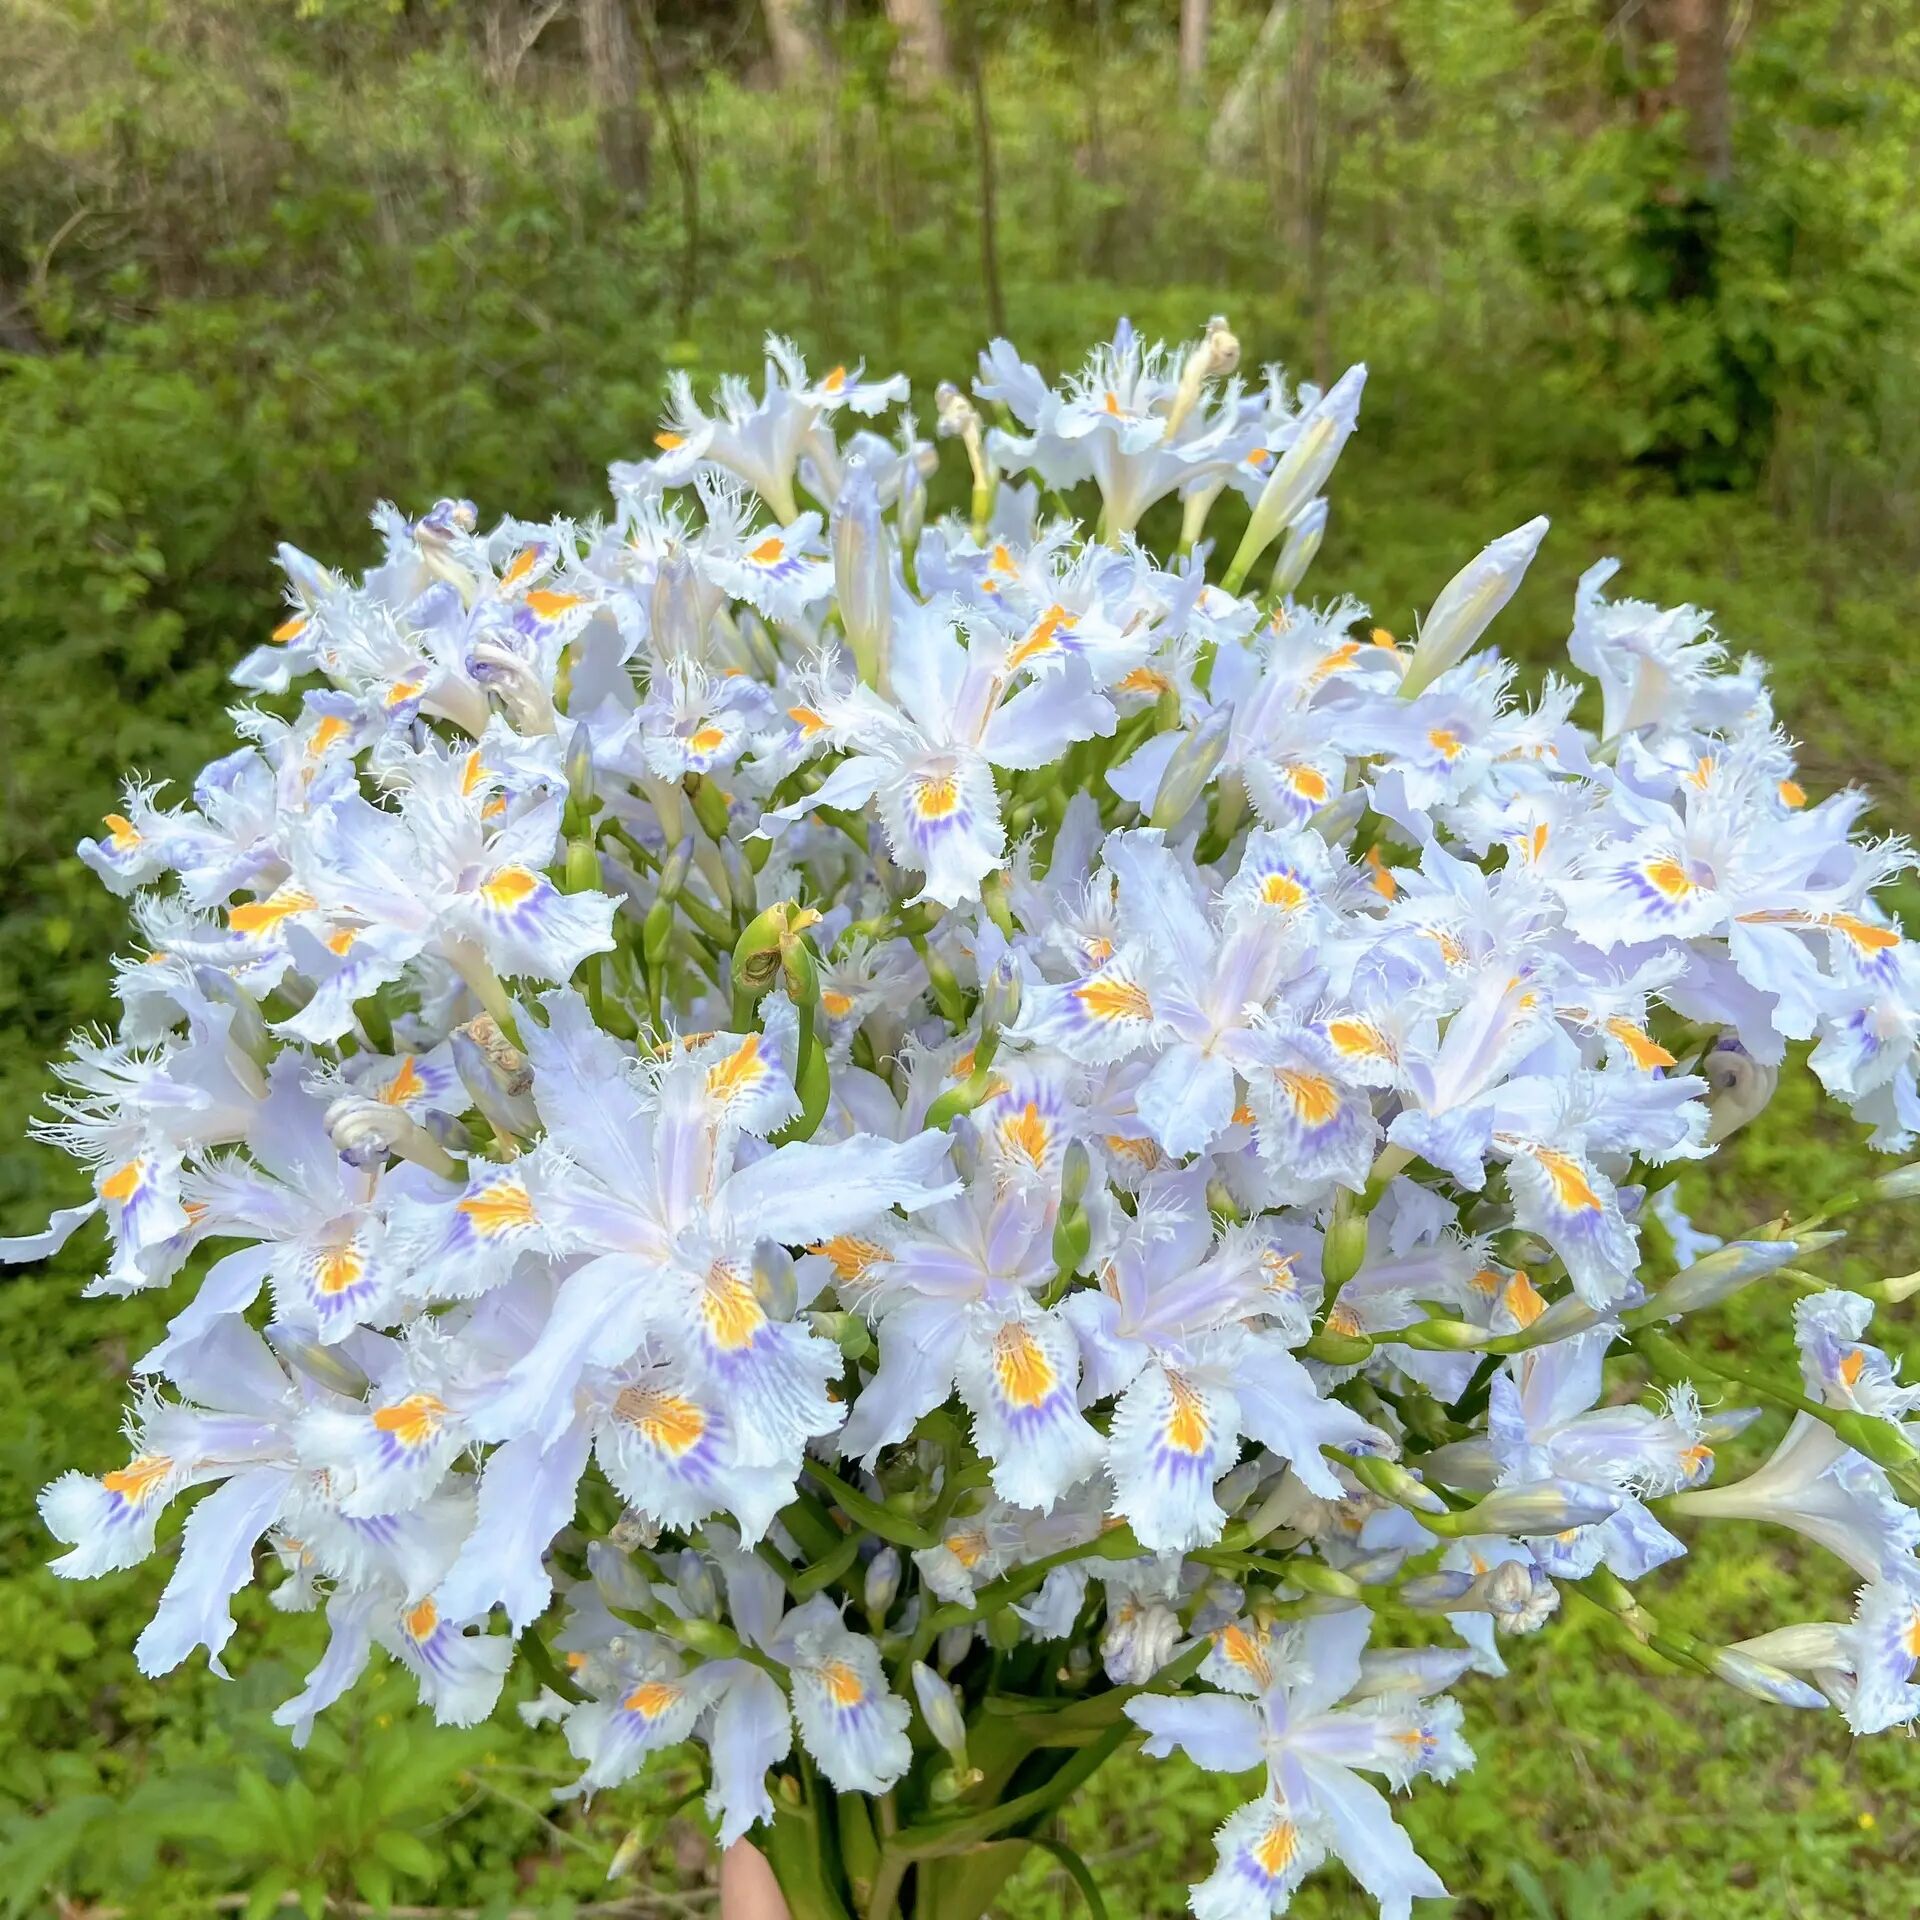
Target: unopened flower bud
1806	1647
1727	1423
1239	1485
1188	769
1548	1506
1338	818
1000	997
1307	529
327	1365
1005	1629
675	868
911	514
656	933
1468	603
1721	1274
708	1636
709	805
618	1581
863	573
311	581
1076	1166
1314	1576
1391	1481
1301	471
580	769
1436	1592
941	1710
882	1583
1441	1336
1893	1291
1903	1183
676	610
757	643
1344	1251
627	1854
699	1592
1375	1569
1763	1681
1401	1670
951	1648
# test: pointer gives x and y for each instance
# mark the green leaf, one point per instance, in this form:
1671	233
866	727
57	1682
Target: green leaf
1077	1871
407	1853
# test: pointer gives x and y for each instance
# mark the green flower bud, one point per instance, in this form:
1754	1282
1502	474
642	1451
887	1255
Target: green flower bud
1315	1576
709	806
1188	771
1439	1336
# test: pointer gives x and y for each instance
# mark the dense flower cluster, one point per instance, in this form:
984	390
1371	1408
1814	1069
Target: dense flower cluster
805	1107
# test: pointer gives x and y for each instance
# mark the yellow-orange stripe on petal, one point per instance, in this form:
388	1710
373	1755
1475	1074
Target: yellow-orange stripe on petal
413	1421
522	564
1642	1048
742	1070
123	1183
1313	1096
1188	1428
728	1306
1111	999
1025	1374
509	888
665	1420
651	1698
262	916
498	1209
1570	1186
405	1083
140	1479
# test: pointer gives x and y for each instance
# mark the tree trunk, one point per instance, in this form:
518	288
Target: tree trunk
1311	148
510	30
1196	19
1697	30
989	193
1239	118
613	83
921	58
796	54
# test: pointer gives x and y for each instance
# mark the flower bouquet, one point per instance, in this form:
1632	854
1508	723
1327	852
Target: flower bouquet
919	1147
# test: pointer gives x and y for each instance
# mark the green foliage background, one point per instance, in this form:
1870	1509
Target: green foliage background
266	260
